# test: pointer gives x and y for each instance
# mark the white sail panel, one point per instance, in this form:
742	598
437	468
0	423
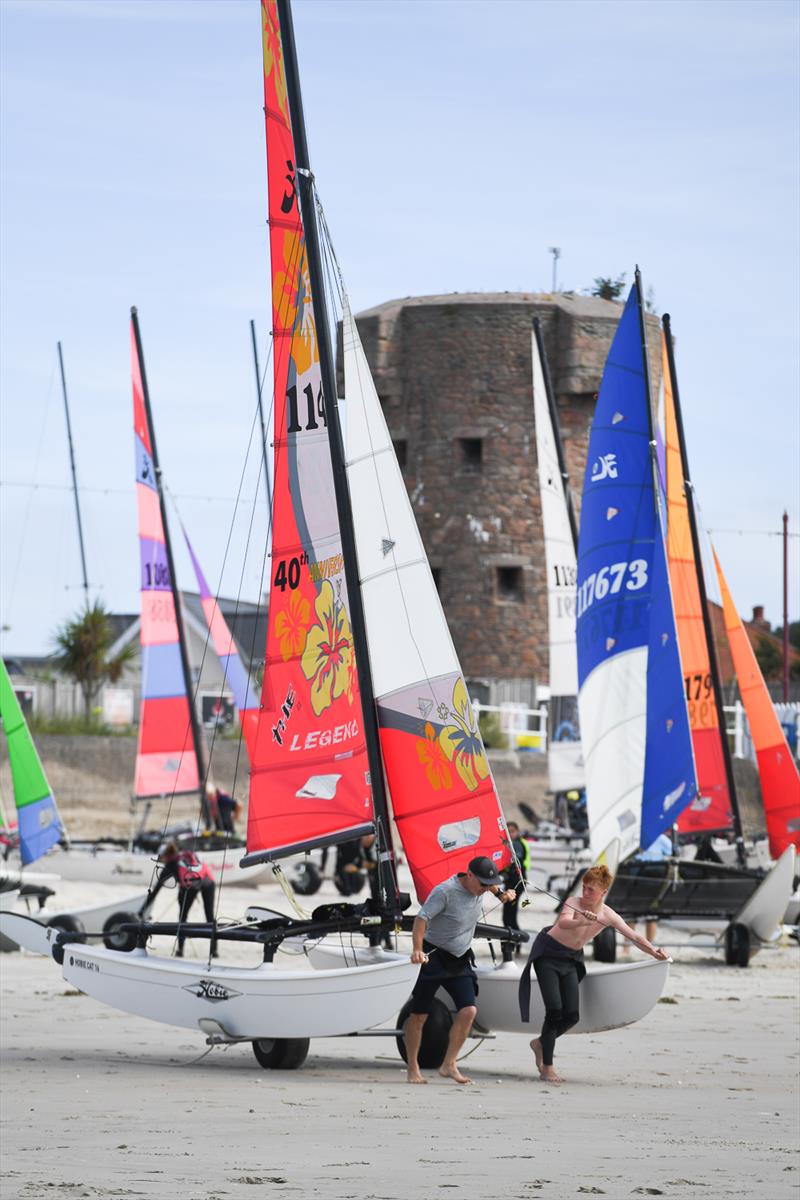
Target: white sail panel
613	705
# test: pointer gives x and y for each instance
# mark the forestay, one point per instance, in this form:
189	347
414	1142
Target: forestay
564	750
309	773
166	762
442	793
637	745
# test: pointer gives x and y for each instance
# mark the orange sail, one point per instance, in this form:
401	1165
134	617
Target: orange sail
711	808
780	781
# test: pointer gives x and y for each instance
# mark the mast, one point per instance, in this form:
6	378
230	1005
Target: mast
556	424
785	607
261	419
701	585
305	188
197	736
74	476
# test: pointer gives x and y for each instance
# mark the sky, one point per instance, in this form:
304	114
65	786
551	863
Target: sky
453	142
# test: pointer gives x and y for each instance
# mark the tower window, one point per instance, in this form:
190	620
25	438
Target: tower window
471	453
401	452
508	585
436	572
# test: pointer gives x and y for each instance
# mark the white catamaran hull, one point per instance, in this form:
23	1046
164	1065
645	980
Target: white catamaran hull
611	996
111	864
257	1002
19	925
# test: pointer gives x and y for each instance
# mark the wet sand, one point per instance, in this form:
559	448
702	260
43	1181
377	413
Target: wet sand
699	1099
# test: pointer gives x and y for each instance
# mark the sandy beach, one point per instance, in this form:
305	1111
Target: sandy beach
699	1099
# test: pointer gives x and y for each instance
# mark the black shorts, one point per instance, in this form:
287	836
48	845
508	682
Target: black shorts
461	988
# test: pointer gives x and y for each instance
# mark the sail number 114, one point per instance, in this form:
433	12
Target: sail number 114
608	581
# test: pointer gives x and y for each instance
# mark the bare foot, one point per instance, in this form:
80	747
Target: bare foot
451	1071
550	1075
415	1076
536	1047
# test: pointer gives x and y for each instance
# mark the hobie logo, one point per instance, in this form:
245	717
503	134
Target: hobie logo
459	835
605	467
207	989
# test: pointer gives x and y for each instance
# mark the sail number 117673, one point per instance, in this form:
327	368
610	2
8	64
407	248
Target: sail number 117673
609	580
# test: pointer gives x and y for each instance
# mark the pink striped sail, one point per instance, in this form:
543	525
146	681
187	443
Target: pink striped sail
245	693
166	763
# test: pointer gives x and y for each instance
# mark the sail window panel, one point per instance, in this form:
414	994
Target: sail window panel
470	453
509	585
408	636
613	713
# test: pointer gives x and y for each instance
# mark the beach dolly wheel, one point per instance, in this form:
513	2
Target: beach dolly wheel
605	946
114	938
435	1034
306	879
69	924
281	1054
737	945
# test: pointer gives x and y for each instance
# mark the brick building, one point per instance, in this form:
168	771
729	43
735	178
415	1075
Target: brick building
454	377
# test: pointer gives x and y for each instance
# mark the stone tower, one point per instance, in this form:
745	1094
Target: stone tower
454	377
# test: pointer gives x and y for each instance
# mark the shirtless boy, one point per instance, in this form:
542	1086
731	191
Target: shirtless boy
557	959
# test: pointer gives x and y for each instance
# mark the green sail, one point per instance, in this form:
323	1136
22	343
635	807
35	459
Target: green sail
39	823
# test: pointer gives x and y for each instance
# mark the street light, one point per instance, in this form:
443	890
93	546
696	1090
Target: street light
556	253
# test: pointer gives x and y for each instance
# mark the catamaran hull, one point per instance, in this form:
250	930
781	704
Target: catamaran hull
18	929
111	864
254	1003
611	996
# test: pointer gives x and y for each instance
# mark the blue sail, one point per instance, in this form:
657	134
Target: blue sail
637	745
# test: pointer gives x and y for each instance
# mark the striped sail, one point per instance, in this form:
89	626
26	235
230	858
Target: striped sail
236	677
309	781
564	750
780	781
711	808
39	824
166	763
637	745
442	793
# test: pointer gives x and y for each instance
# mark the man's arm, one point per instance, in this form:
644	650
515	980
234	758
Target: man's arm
609	917
418	955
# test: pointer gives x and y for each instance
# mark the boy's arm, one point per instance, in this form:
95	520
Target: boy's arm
609	917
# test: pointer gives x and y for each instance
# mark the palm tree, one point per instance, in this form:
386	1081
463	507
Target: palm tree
83	644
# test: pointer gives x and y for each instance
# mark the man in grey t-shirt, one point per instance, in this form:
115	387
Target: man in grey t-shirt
442	936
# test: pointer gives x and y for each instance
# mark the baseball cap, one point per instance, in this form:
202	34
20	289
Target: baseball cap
485	871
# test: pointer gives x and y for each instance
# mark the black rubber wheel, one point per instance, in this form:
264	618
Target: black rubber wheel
281	1054
349	883
435	1034
737	945
605	946
115	940
306	879
69	924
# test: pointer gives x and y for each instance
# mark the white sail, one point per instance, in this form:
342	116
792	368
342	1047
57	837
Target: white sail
565	752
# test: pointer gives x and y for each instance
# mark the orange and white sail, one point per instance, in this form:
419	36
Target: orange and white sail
780	781
711	808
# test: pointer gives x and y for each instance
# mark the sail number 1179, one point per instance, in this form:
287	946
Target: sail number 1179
609	580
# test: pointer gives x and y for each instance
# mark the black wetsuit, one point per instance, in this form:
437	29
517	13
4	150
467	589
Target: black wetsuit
559	970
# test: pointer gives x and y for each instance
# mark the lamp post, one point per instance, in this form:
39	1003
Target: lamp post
556	253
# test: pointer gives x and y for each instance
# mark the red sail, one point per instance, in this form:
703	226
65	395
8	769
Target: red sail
309	772
780	781
711	808
165	758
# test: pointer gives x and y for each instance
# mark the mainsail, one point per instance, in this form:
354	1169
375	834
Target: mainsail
711	808
244	690
564	750
442	793
780	781
166	762
310	779
39	822
637	745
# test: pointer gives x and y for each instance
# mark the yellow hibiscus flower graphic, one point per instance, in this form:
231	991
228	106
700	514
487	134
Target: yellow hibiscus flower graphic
292	288
431	755
327	659
291	625
462	743
273	59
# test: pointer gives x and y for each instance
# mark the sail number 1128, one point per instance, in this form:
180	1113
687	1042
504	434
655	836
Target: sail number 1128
608	581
